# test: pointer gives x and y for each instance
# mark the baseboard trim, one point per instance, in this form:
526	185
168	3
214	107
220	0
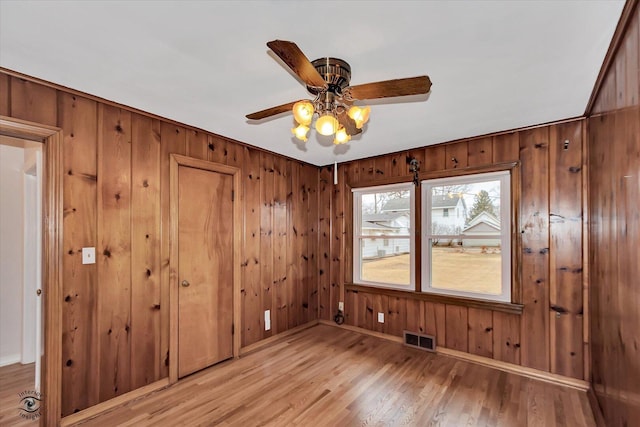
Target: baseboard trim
95	410
267	341
595	408
481	360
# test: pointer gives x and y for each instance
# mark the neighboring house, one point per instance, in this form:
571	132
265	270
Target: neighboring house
385	224
484	224
448	213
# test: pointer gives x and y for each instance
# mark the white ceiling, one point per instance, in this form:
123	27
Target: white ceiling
495	65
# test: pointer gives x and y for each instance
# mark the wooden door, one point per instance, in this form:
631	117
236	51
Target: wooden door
205	268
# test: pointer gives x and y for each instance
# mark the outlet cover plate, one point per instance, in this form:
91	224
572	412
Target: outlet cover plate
380	317
88	255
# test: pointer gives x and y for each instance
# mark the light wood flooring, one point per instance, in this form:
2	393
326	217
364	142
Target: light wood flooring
326	376
15	379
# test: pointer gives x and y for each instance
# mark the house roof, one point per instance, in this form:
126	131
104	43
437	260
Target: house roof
483	218
494	65
446	201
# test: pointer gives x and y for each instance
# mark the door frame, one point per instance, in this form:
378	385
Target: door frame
176	161
52	206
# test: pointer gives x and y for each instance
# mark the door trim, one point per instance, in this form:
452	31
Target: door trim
52	204
177	160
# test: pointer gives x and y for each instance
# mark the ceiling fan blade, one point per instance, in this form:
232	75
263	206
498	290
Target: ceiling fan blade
258	115
391	88
291	54
348	123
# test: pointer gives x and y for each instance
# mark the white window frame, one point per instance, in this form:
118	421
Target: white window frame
505	220
358	236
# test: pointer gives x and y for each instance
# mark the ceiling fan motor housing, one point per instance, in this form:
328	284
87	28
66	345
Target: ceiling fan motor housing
336	72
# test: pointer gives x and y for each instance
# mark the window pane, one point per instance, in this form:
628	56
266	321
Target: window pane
477	207
473	266
385	213
386	261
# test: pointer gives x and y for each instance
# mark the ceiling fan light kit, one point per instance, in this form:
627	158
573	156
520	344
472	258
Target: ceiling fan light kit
329	80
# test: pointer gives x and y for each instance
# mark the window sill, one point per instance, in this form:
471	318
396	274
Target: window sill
504	307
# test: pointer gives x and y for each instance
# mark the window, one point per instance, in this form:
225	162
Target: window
470	255
445	212
382	243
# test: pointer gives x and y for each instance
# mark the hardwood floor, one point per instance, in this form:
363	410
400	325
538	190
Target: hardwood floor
326	376
15	379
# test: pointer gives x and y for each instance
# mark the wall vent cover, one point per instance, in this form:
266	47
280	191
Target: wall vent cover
420	341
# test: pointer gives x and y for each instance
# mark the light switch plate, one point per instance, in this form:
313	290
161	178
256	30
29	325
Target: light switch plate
88	255
341	306
380	317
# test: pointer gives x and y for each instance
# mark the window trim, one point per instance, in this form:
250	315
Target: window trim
357	236
505	178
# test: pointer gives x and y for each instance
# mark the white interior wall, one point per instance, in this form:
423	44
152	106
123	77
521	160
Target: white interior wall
11	253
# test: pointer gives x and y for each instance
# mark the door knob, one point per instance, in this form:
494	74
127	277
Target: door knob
39	292
185	283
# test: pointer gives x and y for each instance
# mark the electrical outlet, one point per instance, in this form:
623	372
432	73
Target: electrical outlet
267	320
341	306
380	317
88	255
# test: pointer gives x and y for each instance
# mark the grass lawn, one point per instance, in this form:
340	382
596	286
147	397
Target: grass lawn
453	268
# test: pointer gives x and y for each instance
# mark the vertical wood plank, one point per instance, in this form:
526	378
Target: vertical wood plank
313	221
631	46
5	99
506	337
145	251
279	316
216	149
534	214
480	332
80	370
197	144
456	322
456	155
415	319
480	151
396	317
439	322
380	305
33	102
295	234
337	241
565	285
324	243
251	283
267	278
506	147
172	141
434	158
114	250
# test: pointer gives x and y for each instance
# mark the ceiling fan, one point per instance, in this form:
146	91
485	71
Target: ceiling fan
328	79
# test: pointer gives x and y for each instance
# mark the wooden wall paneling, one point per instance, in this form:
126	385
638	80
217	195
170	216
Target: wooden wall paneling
337	241
417	154
216	149
480	332
311	241
456	155
279	316
5	90
631	46
234	154
382	166
79	121
267	237
607	96
534	214
172	141
439	317
351	308
295	234
348	228
480	151
434	158
353	175
251	284
33	102
396	316
506	147
397	164
367	170
414	313
565	261
366	315
433	314
456	324
145	251
113	255
197	144
325	194
506	337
